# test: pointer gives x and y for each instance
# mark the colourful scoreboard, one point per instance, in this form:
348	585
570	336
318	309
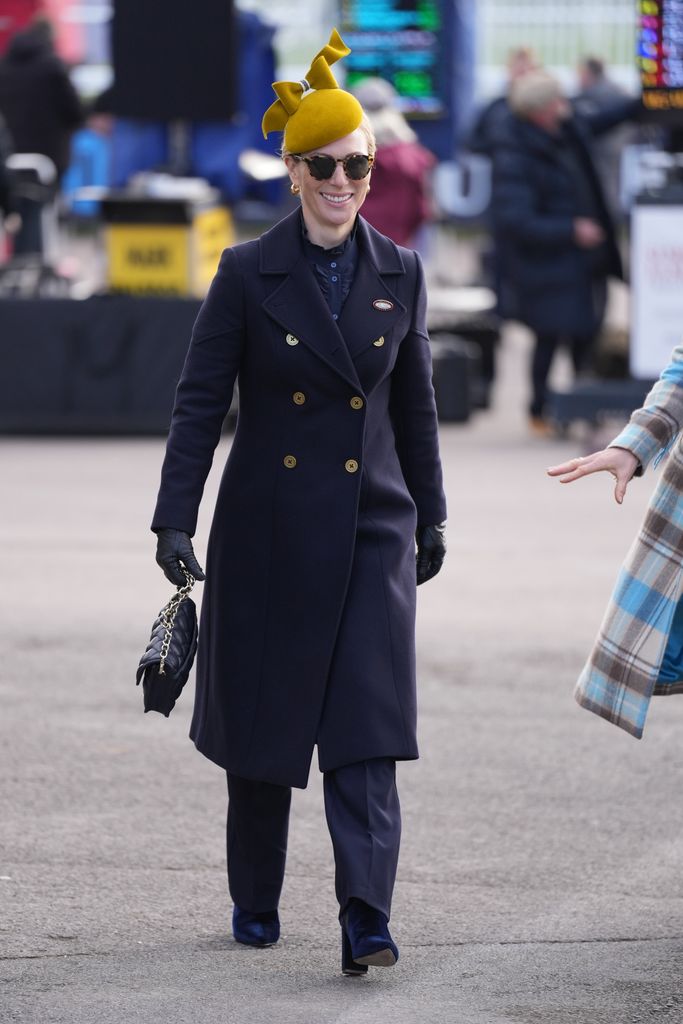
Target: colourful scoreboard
426	49
401	41
660	54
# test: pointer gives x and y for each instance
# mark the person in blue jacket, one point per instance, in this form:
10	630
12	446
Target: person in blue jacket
307	631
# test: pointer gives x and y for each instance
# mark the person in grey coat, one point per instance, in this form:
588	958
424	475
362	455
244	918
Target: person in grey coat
307	633
598	94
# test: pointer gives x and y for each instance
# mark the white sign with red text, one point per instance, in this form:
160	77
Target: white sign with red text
656	287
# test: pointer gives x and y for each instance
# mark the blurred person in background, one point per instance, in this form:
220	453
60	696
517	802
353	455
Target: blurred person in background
487	132
597	94
556	239
639	650
399	204
11	220
42	110
491	120
307	633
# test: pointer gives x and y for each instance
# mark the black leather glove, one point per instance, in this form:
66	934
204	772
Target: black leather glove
174	550
431	551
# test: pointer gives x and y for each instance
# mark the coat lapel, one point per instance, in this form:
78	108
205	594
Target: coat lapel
371	308
361	322
297	304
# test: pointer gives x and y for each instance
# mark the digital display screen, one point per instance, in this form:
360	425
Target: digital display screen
660	53
399	40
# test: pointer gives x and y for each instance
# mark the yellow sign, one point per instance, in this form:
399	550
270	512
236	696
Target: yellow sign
148	258
213	232
168	259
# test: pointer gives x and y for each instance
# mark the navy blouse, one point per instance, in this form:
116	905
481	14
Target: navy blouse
333	268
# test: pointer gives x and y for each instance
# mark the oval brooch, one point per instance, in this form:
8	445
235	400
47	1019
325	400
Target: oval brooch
383	305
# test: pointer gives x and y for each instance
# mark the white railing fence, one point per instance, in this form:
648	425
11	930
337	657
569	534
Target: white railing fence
560	32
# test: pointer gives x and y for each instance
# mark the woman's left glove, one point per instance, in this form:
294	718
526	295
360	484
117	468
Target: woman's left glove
174	550
431	551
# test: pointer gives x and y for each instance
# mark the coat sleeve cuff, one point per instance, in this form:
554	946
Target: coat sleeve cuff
640	442
174	519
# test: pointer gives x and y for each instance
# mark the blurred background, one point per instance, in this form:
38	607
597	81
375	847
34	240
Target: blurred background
131	155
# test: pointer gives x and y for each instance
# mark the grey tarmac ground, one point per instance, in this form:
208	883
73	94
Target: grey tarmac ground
541	875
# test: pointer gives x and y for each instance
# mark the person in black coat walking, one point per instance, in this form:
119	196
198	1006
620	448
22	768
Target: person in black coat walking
307	625
8	201
556	238
42	110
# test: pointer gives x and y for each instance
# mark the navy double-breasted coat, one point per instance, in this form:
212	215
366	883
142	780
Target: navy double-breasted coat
308	613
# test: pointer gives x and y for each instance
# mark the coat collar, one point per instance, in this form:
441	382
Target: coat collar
534	139
298	306
278	246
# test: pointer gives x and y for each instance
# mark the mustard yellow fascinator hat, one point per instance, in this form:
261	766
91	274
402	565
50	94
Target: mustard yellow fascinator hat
314	111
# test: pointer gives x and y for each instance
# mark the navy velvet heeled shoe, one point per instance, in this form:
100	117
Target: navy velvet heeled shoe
349	965
255	929
366	941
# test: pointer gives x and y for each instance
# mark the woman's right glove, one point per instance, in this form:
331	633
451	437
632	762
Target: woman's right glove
431	551
174	550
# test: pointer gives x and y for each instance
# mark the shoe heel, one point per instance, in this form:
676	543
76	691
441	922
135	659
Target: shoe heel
348	964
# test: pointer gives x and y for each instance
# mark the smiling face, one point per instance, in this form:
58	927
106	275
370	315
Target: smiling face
330	207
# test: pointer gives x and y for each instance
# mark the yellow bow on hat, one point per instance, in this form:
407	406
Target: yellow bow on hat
344	109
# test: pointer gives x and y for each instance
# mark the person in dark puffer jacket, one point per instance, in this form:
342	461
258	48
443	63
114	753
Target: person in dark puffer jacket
556	237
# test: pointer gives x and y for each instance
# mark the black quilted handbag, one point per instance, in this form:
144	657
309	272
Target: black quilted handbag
166	664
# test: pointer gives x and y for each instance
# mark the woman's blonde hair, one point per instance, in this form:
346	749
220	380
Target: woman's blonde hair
365	127
532	92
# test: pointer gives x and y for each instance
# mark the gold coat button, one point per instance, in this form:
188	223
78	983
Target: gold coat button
379	342
299	397
356	402
291	340
289	461
351	466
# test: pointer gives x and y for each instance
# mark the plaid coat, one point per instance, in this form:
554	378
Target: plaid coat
623	670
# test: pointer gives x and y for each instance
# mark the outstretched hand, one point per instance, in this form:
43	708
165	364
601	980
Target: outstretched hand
620	462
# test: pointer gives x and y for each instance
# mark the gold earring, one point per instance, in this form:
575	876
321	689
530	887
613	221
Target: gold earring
294	189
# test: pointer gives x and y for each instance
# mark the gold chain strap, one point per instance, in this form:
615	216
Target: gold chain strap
168	616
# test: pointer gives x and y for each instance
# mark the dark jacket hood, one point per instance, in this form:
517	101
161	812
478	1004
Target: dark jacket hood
32	42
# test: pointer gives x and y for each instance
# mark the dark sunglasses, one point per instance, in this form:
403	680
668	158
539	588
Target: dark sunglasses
321	167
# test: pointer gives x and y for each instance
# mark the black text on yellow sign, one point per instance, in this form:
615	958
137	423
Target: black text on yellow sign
168	259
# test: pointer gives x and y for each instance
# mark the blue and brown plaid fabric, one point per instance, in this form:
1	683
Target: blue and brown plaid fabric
622	672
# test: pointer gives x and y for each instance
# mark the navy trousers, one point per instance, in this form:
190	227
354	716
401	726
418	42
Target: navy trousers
364	819
581	350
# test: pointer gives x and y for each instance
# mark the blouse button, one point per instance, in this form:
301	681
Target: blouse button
291	340
299	397
379	342
356	402
351	466
289	461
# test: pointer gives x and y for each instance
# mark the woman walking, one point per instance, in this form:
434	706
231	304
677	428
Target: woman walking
639	650
308	616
